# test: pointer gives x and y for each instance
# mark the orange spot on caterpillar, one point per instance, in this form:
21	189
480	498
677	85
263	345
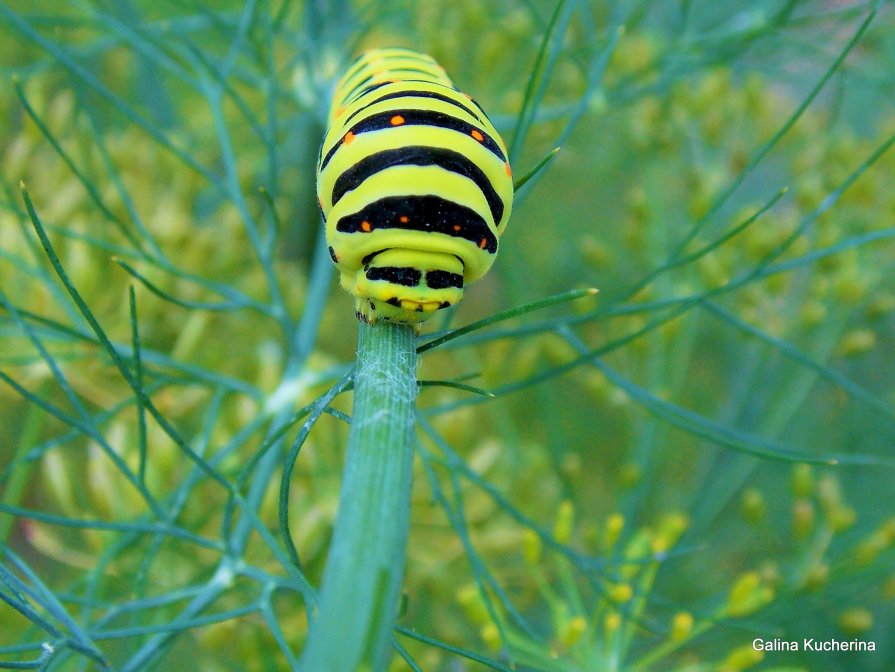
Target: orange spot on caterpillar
456	227
477	135
365	226
397	120
509	170
403	219
483	243
349	138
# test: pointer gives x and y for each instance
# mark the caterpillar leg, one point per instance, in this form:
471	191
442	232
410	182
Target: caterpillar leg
405	285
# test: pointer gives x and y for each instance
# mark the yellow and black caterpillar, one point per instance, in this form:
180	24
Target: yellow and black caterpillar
414	185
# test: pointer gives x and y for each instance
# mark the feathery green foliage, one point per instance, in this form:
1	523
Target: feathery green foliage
647	478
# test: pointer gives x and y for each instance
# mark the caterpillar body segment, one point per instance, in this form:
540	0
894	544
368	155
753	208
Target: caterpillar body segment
414	185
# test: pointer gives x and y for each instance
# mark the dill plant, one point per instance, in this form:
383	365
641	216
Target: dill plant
175	364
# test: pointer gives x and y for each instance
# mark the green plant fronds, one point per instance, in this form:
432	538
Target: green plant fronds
644	478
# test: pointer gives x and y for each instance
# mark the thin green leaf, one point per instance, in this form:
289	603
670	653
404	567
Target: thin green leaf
456	386
85	182
538	167
555	300
722	435
79	71
138	379
794	353
450	648
166	529
286	480
38	591
222	306
539	77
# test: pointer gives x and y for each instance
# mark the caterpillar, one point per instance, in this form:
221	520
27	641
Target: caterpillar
414	185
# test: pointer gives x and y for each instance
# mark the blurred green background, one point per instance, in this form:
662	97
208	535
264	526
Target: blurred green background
699	456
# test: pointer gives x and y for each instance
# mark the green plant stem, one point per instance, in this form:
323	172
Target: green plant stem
359	596
17	484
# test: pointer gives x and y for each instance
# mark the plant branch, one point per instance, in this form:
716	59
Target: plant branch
358	605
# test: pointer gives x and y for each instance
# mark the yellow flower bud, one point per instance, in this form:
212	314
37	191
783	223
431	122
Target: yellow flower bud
888	530
752	505
565	522
850	287
615	523
748	595
869	548
856	342
802	480
672	526
817	576
612	622
842	518
491	636
855	621
532	547
741	658
812	313
881	305
473	606
618	397
681	626
594	252
621	593
572	631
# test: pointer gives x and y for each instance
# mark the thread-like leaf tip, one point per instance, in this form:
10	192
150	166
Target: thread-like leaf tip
22	185
592	290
